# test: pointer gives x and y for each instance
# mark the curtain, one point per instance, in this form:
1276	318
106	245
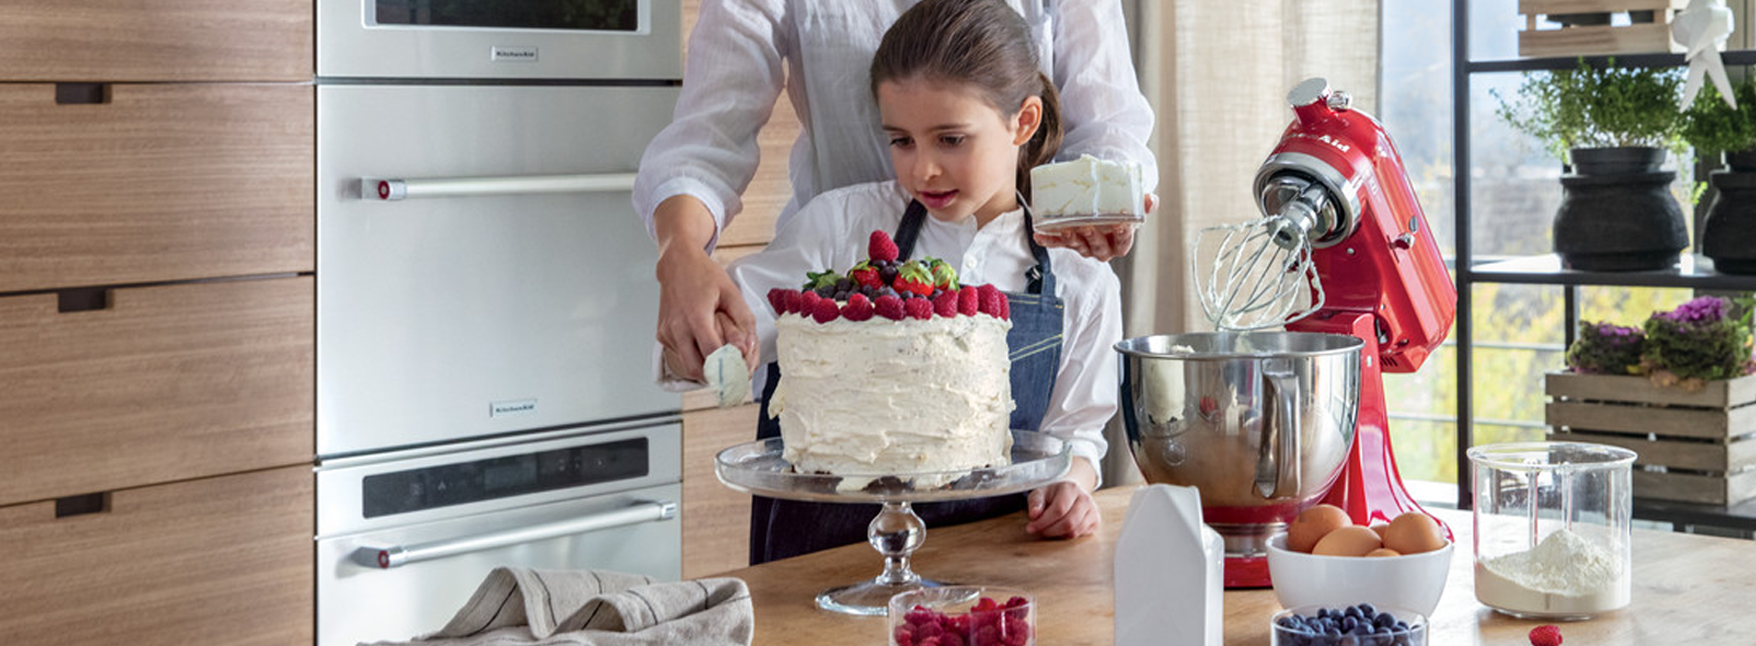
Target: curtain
1217	74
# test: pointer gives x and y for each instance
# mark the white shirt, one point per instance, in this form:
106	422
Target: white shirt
742	53
831	232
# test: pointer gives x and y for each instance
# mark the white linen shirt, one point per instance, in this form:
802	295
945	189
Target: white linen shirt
832	231
743	52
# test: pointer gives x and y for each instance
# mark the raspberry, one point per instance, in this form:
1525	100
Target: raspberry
1005	307
918	308
950	639
825	310
890	307
880	247
1545	635
966	301
857	309
946	304
777	298
807	303
988	300
904	636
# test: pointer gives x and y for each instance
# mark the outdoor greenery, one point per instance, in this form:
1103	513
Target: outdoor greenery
1712	127
1597	107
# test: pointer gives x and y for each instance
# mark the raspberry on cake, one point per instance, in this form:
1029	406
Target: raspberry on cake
876	380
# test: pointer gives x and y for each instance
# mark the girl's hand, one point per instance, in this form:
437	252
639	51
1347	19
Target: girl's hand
1065	509
1099	242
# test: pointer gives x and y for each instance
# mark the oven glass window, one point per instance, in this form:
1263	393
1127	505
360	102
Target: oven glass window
577	15
503	477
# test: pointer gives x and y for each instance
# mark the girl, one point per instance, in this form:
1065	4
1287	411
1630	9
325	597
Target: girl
967	114
744	55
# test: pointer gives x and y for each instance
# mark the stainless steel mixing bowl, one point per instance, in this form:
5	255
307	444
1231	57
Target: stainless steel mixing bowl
1259	422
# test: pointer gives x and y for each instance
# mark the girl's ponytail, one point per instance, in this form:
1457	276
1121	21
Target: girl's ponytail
1043	145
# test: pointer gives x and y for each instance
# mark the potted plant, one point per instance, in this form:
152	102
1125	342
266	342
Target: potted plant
1680	391
1713	127
1612	126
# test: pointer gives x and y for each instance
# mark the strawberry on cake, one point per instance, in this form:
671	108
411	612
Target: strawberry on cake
892	368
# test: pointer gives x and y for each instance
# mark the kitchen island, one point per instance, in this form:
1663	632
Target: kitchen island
1688	589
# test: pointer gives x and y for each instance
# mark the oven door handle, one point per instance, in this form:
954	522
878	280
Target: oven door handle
390	190
390	556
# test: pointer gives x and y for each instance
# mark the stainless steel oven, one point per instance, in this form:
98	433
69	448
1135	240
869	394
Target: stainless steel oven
403	538
475	39
485	301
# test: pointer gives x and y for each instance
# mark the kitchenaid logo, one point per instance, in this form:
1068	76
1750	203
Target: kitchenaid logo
513	54
1333	142
512	407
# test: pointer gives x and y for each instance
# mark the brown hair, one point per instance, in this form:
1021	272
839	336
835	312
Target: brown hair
985	44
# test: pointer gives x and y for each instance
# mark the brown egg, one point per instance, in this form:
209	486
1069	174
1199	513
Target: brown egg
1413	532
1383	551
1380	527
1352	540
1313	524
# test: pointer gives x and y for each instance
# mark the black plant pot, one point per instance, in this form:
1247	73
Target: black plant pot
1624	219
1580	19
1728	233
1742	161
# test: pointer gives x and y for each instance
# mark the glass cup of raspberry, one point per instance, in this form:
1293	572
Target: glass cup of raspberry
963	615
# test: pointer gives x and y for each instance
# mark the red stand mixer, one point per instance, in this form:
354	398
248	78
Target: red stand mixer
1336	174
1266	424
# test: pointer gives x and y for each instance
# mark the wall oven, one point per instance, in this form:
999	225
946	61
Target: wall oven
485	301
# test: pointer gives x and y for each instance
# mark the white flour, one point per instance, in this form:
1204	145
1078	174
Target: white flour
1565	575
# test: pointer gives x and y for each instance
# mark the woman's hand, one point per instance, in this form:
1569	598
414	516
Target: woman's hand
1065	509
1098	242
700	308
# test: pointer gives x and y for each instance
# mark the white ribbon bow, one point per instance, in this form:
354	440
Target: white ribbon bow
1703	27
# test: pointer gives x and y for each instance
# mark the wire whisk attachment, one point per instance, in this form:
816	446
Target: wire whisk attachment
1255	275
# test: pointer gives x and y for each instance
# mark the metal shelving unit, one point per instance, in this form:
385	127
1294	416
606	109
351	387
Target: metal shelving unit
1692	271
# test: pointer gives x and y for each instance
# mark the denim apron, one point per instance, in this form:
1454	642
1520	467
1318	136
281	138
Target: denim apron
783	528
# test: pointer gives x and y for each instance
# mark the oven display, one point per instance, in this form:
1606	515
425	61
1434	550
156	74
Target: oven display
502	477
575	15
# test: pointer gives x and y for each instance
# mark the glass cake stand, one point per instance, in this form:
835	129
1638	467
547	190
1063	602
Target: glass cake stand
757	468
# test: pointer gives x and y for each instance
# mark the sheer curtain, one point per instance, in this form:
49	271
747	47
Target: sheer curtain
1217	74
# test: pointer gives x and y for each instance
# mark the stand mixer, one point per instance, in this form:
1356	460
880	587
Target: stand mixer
1212	410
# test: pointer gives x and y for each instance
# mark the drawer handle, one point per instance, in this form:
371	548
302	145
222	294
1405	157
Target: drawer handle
91	503
391	190
84	299
82	93
390	556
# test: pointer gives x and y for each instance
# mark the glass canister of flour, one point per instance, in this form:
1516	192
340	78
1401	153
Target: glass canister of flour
1552	527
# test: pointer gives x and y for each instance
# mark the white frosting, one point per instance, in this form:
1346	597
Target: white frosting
1087	186
893	397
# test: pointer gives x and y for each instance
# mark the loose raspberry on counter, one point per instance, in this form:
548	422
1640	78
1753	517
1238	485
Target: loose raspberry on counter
1545	635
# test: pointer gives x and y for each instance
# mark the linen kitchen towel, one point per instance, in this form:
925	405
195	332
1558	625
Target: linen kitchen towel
522	607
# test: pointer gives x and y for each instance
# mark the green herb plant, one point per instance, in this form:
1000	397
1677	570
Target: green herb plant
1606	349
1702	339
1597	107
1712	127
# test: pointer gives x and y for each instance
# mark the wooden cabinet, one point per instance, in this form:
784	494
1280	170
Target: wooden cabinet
161	182
156	40
157	321
166	383
224	560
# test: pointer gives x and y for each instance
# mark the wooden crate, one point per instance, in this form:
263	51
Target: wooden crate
1705	440
1582	40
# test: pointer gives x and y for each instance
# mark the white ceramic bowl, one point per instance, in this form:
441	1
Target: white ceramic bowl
1412	581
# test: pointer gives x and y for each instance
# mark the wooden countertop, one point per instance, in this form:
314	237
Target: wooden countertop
1688	589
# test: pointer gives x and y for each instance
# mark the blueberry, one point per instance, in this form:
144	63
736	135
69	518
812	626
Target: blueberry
826	291
1352	611
1367	610
1348	623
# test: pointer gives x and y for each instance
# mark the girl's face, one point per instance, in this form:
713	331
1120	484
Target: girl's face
952	151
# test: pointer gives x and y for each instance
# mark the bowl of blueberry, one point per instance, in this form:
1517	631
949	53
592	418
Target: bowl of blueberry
1358	625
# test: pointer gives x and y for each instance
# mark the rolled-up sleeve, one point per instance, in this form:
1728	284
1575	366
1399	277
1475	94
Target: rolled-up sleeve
734	73
1106	115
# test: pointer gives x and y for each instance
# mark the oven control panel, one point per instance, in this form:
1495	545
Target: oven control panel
503	477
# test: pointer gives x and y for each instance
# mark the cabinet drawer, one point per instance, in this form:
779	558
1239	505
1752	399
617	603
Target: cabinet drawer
156	40
167	383
163	182
224	560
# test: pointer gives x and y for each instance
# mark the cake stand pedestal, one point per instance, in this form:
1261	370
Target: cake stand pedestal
758	468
